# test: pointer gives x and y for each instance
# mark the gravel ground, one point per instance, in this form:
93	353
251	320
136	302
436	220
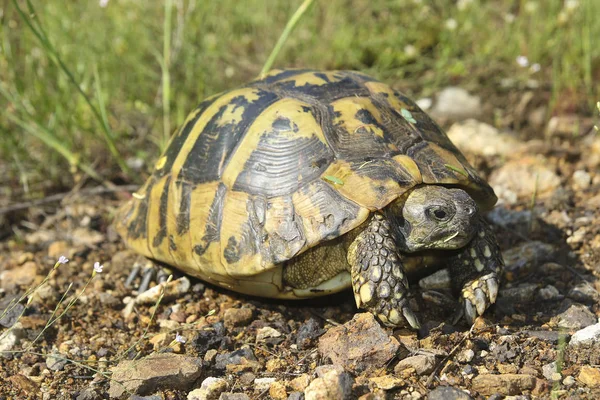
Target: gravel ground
541	339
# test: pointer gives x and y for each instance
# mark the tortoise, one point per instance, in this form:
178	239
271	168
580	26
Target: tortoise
304	183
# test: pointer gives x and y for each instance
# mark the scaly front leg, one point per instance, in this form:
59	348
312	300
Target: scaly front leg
378	277
475	272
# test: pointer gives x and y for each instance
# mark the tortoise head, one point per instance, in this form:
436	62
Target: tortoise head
435	217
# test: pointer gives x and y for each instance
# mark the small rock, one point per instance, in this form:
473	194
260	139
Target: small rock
456	104
57	249
89	393
238	357
582	179
589	376
358	344
549	371
276	364
438	280
477	137
447	393
577	316
159	341
156	371
210	389
263	384
549	293
465	356
172	290
520	178
237	317
277	391
523	293
587	335
300	382
522	259
266	332
422	363
296	396
568	381
583	292
508	384
307	333
211	337
234	396
10	317
109	300
551	337
333	385
56	361
20	276
387	382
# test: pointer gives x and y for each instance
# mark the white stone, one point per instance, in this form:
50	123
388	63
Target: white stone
586	335
262	384
456	103
477	137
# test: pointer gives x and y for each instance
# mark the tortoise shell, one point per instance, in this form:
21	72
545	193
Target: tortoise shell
260	174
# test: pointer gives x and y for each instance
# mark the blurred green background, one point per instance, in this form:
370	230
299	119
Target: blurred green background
144	65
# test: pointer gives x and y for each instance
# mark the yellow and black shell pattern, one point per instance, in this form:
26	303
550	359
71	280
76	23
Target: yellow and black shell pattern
260	174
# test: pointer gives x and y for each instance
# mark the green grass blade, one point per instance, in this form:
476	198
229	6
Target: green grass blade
54	56
166	78
289	27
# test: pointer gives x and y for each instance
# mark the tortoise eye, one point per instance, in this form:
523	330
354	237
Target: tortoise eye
438	213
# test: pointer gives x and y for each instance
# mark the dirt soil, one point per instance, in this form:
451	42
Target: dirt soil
548	226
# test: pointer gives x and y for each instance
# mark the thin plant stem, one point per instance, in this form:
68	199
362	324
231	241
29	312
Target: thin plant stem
54	56
166	78
289	27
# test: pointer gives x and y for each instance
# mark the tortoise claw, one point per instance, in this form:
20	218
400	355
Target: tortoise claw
410	316
470	312
479	294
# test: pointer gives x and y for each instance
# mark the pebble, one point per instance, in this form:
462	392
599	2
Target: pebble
277	391
211	337
243	356
568	381
447	393
333	385
266	333
477	137
56	361
549	293
296	396
210	389
235	317
522	259
262	384
523	293
519	178
307	333
234	396
582	179
300	382
457	104
465	356
589	376
422	363
551	337
57	249
587	335
359	344
156	371
20	276
89	393
387	382
173	290
583	292
507	384
11	316
549	371
577	316
438	280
